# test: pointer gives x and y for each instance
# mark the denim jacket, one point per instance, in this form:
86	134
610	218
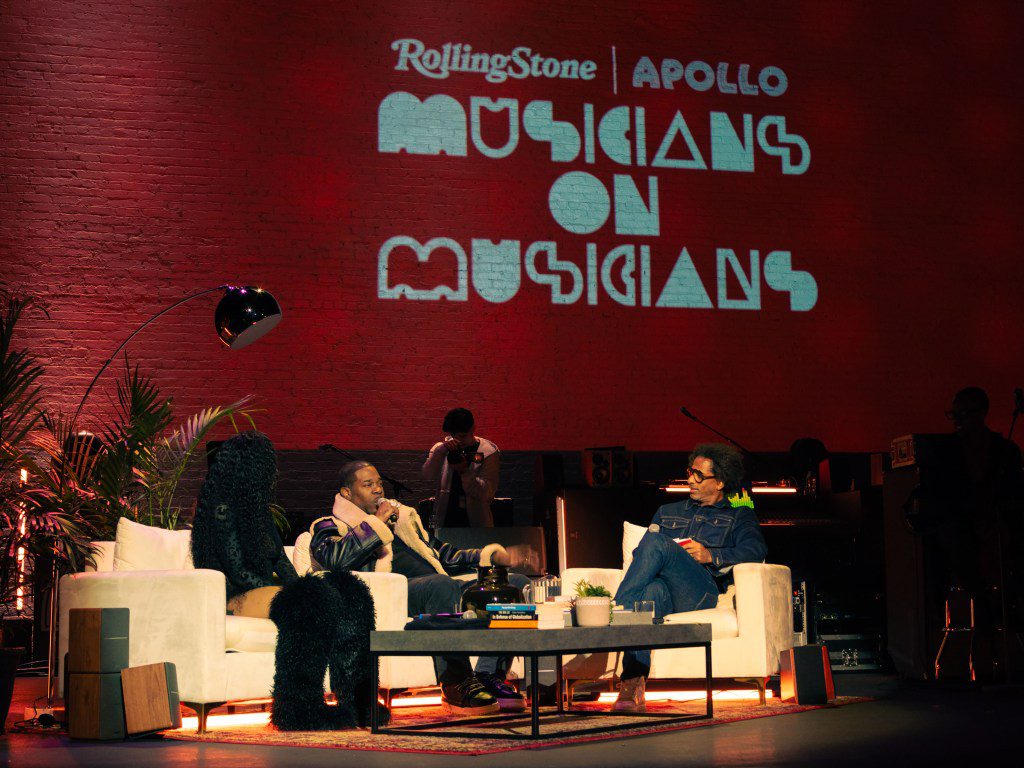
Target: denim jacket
731	534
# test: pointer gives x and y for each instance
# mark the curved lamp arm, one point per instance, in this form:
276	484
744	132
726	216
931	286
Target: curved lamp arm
244	315
109	360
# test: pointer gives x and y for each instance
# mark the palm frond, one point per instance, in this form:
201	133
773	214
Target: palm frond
280	519
20	390
175	454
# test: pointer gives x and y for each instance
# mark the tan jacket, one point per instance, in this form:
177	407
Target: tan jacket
350	539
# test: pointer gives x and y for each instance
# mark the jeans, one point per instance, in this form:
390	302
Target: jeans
438	593
664	572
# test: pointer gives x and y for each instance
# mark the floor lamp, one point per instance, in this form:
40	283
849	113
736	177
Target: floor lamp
243	315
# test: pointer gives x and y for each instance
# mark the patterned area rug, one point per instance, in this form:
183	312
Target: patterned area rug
561	729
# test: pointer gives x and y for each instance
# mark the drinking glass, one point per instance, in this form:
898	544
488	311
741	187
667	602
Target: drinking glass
644	606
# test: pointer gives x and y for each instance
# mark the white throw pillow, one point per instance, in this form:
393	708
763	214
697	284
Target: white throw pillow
143	548
631	535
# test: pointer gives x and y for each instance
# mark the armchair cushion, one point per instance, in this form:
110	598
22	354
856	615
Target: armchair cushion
722	620
245	633
140	547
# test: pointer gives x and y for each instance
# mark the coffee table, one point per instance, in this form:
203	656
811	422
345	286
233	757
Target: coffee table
532	644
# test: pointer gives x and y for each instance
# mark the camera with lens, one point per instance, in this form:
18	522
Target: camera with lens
464	453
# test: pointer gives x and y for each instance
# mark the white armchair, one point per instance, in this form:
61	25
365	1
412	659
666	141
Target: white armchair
750	626
178	614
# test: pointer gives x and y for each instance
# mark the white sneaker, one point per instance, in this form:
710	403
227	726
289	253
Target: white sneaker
631	696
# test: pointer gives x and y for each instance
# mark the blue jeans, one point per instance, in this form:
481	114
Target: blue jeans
438	593
664	572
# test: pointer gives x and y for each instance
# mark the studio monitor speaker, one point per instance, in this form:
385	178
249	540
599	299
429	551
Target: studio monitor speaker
94	705
805	675
97	640
608	467
97	652
150	698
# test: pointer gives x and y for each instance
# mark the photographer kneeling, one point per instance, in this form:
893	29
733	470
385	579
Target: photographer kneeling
466	469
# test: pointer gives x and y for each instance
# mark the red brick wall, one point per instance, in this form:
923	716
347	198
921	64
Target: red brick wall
148	149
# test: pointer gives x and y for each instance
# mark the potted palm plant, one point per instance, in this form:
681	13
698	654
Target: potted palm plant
31	527
59	491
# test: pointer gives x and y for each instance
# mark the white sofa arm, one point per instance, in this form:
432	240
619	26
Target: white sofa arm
390	598
764	606
175	616
609	578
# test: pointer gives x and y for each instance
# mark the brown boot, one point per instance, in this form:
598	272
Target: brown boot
631	696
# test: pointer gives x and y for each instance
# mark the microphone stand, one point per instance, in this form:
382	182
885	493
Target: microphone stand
1018	407
686	412
752	459
397	484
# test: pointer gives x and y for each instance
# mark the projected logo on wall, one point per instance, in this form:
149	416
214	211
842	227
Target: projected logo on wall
581	202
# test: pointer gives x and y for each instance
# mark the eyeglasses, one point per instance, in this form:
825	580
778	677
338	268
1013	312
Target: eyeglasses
697	475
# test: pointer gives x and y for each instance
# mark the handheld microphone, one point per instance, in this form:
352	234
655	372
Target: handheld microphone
393	518
686	412
1018	398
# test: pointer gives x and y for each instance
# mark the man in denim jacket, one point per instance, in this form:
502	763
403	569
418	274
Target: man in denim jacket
684	560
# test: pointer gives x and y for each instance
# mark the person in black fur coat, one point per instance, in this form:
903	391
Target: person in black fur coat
233	530
323	620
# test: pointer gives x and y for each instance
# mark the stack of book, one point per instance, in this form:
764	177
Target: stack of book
512	616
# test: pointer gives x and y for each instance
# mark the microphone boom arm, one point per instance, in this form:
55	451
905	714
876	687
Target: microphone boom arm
397	484
686	412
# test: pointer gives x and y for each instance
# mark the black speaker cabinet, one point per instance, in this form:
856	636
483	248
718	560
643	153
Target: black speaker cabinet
590	524
805	675
913	582
608	467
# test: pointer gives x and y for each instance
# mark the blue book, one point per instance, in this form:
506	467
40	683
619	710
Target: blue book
513	607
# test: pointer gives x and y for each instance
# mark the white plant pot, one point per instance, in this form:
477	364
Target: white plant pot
593	611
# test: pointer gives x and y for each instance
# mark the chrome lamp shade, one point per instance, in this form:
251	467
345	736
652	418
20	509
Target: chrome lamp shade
246	314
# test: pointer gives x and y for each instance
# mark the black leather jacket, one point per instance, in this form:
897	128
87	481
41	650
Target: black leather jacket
333	550
355	549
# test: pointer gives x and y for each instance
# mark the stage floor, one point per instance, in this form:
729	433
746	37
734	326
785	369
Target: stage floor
908	724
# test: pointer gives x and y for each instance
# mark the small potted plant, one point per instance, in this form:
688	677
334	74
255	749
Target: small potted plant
592	605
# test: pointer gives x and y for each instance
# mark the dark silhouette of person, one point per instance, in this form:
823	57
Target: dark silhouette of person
982	539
